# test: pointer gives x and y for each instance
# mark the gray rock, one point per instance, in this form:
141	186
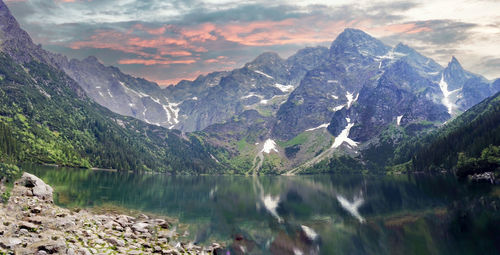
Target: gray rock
53	247
116	242
141	227
38	187
9	243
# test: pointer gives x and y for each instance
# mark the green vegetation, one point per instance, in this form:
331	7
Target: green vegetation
488	161
469	143
45	118
298	140
336	164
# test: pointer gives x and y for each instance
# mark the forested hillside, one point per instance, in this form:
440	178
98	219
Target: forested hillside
470	143
46	118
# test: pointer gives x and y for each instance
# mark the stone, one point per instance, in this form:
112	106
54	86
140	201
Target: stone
53	247
36	209
123	221
162	223
28	226
10	243
116	242
38	187
35	220
141	227
143	217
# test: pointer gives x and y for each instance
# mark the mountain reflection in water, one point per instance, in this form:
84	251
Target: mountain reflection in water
322	214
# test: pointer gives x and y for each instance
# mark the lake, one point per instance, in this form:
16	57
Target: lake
318	214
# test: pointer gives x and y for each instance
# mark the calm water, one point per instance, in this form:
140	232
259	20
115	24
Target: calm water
327	214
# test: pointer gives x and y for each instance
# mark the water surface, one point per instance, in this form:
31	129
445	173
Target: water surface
323	214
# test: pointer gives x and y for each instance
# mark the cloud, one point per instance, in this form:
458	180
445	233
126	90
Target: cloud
170	40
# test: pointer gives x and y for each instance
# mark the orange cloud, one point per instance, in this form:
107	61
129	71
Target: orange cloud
149	62
201	33
407	28
175	45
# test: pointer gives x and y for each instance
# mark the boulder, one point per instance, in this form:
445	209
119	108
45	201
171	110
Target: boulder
116	242
38	187
141	227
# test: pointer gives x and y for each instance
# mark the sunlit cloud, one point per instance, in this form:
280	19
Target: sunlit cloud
167	41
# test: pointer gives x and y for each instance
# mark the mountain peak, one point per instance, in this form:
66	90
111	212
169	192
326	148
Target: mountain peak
266	57
403	48
454	62
455	66
91	59
13	38
9	27
355	40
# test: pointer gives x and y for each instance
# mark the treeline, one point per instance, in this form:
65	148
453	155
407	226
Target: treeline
336	164
488	161
45	118
470	136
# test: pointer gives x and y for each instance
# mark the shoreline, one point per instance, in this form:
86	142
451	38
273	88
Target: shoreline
32	224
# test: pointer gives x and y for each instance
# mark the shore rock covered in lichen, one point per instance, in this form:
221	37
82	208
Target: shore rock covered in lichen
32	224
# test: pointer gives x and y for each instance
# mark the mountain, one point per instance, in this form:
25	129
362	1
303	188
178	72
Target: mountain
469	143
261	85
46	117
356	100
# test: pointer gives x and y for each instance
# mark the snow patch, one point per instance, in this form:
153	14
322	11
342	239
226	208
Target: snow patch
251	95
265	74
296	251
310	233
352	207
333	81
443	85
269	145
343	136
334	97
398	120
351	99
284	88
109	93
338	108
319	127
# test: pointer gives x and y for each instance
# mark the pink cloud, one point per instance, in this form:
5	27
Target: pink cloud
406	28
149	62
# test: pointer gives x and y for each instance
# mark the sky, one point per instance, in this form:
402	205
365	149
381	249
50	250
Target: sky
169	40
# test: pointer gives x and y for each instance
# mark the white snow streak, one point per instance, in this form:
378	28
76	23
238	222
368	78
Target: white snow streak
443	85
338	108
284	88
398	120
269	146
343	136
265	74
319	127
310	233
350	99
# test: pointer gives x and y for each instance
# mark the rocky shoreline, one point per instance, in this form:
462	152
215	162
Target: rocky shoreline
32	224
